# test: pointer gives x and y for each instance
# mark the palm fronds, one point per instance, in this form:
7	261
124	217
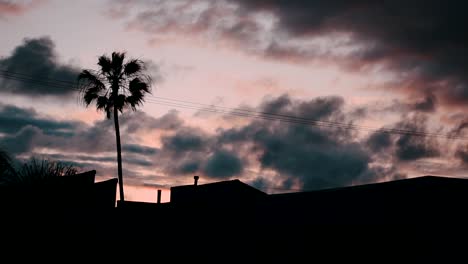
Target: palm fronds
117	84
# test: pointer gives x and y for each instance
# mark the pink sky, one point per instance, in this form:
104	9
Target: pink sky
201	63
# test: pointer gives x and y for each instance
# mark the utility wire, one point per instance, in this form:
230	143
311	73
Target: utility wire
302	120
22	75
45	82
248	113
259	116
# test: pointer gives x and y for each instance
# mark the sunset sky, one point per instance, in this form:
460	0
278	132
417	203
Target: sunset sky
362	64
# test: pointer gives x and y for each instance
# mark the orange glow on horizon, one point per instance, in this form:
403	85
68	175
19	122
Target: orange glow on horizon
145	194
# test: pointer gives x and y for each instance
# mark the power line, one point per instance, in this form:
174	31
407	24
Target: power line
191	104
16	74
235	111
301	120
342	126
248	113
45	82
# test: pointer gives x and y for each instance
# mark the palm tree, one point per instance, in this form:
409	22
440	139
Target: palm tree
118	83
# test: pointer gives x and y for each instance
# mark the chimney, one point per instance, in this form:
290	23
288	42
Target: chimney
196	180
159	196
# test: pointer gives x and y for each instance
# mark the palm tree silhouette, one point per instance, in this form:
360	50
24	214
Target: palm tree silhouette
118	83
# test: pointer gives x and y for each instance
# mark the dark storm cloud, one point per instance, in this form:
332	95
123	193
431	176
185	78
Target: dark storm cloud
462	154
223	164
188	167
21	142
13	118
186	139
408	143
24	129
409	147
421	104
379	141
317	156
320	156
83	138
184	151
139	149
260	183
185	164
37	59
194	153
422	42
425	41
24	132
316	165
413	148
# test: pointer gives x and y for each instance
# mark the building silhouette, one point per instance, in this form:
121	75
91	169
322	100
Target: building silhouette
233	218
62	208
427	199
396	218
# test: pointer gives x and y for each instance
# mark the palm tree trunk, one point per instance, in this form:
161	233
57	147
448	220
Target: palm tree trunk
119	154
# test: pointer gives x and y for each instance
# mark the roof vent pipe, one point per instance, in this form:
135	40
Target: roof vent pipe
159	196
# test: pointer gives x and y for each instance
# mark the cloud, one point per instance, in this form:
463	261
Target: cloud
413	148
89	139
37	60
128	159
25	129
188	167
14	118
410	144
142	122
421	45
25	132
409	147
285	155
9	7
139	149
317	156
379	141
21	142
223	164
213	20
462	154
293	150
185	139
428	104
184	151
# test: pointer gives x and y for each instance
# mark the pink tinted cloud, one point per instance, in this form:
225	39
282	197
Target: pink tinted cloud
8	7
360	39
